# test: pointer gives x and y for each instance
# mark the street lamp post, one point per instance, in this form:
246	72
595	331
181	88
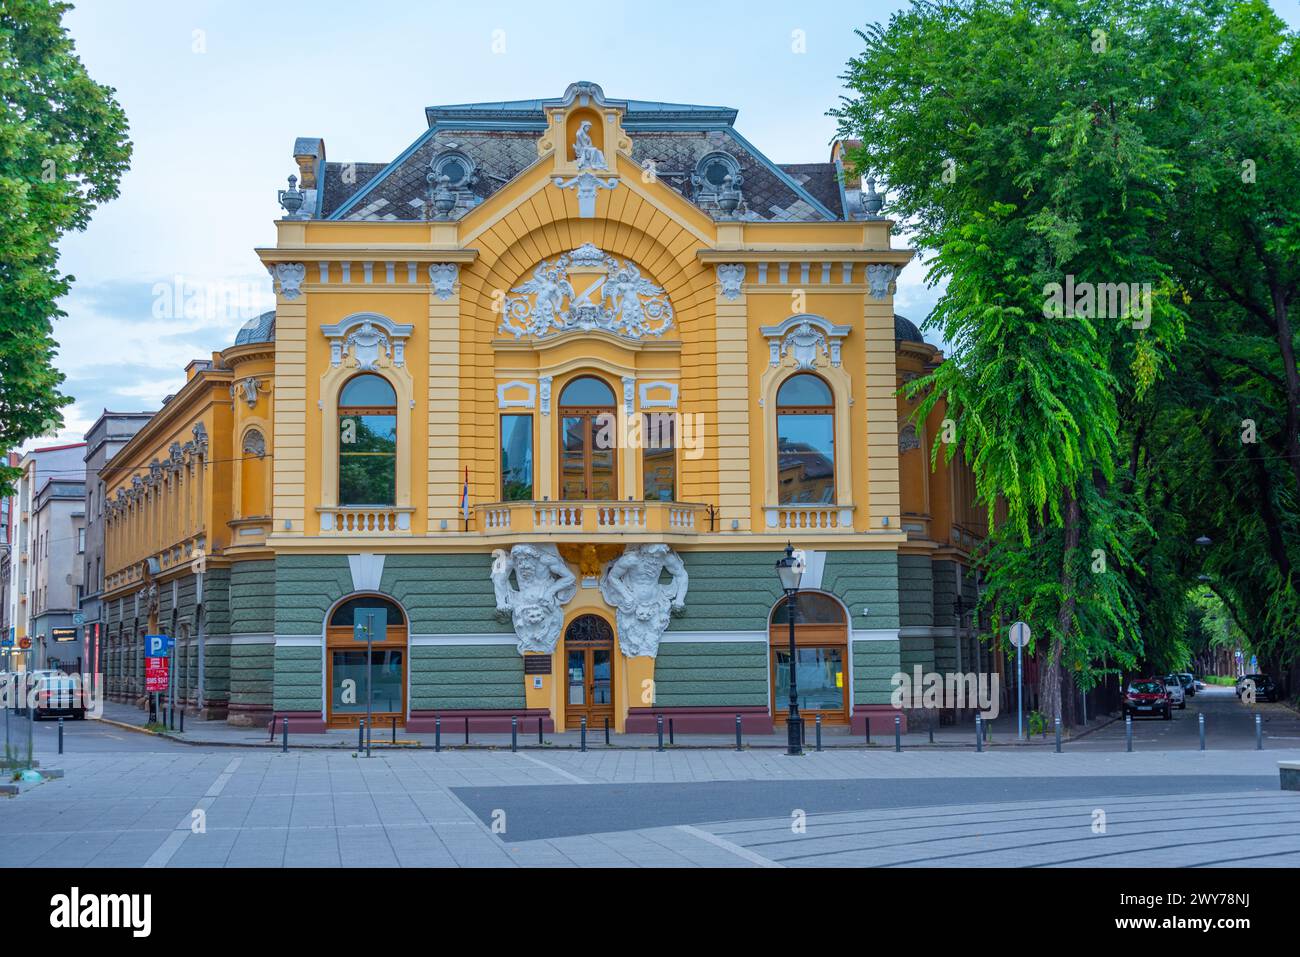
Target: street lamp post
790	571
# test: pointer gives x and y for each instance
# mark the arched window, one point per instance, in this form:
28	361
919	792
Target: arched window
587	440
367	442
805	429
345	614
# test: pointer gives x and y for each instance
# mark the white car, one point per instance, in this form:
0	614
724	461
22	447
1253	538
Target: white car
1176	694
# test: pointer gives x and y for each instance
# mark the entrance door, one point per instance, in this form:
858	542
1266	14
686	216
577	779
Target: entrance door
589	672
347	669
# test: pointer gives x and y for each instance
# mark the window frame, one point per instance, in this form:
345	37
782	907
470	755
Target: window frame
807	410
357	411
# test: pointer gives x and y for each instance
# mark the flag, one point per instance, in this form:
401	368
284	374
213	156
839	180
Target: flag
464	496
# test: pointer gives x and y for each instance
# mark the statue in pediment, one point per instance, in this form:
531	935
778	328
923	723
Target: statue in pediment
585	151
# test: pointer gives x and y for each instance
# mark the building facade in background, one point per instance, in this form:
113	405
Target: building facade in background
49	538
549	393
104	439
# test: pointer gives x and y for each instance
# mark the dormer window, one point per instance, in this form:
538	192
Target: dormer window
712	170
456	166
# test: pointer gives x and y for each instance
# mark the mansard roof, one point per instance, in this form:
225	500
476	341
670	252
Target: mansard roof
500	138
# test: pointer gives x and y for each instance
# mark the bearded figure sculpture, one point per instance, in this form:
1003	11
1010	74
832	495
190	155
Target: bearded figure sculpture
631	585
536	606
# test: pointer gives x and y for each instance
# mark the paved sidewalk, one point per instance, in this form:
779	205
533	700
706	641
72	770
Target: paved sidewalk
1001	733
184	807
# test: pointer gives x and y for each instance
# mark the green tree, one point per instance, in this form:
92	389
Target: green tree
63	150
1010	134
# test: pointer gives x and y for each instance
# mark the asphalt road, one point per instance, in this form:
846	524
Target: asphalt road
1228	724
83	737
540	812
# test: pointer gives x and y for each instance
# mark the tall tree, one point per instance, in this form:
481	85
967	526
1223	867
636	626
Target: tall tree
1010	134
63	150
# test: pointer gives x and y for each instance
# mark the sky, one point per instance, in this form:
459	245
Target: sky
216	92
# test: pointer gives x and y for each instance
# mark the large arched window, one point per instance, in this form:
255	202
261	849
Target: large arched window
367	442
587	440
805	429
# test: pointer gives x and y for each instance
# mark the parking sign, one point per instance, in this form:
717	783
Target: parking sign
157	646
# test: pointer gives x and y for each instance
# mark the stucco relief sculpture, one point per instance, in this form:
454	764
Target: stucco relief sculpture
619	300
536	606
631	585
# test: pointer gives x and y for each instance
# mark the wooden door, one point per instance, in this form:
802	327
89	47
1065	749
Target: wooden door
589	672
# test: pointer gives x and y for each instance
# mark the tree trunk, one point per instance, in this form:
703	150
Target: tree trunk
1049	682
1282	327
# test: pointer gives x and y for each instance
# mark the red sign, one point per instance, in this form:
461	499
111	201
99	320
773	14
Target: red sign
155	674
24	642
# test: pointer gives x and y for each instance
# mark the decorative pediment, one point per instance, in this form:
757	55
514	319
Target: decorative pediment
583	290
365	337
810	340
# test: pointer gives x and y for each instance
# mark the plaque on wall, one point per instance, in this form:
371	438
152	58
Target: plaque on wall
537	664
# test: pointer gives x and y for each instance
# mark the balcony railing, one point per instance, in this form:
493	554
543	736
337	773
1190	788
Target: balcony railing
365	520
810	518
596	518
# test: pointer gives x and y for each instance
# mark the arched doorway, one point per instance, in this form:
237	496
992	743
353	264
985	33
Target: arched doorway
589	671
346	666
821	635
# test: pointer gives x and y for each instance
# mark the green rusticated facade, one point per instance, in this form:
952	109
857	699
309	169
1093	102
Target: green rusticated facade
730	597
916	613
252	628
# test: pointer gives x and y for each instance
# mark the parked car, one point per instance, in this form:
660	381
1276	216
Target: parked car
58	694
1188	681
1266	688
1147	696
1177	694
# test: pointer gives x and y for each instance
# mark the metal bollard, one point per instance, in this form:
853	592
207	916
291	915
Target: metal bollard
60	736
819	732
979	734
671	738
284	735
370	735
898	733
1259	733
467	730
739	744
539	731
1200	721
932	729
866	725
584	732
1058	735
659	723
182	720
361	735
437	735
1128	732
606	732
514	733
394	729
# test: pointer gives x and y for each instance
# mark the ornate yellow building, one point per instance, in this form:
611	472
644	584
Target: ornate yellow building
551	391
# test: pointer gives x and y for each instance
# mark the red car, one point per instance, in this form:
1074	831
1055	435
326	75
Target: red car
1148	696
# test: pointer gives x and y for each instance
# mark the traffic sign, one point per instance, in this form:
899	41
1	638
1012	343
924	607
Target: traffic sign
155	674
24	642
78	618
157	646
1020	634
